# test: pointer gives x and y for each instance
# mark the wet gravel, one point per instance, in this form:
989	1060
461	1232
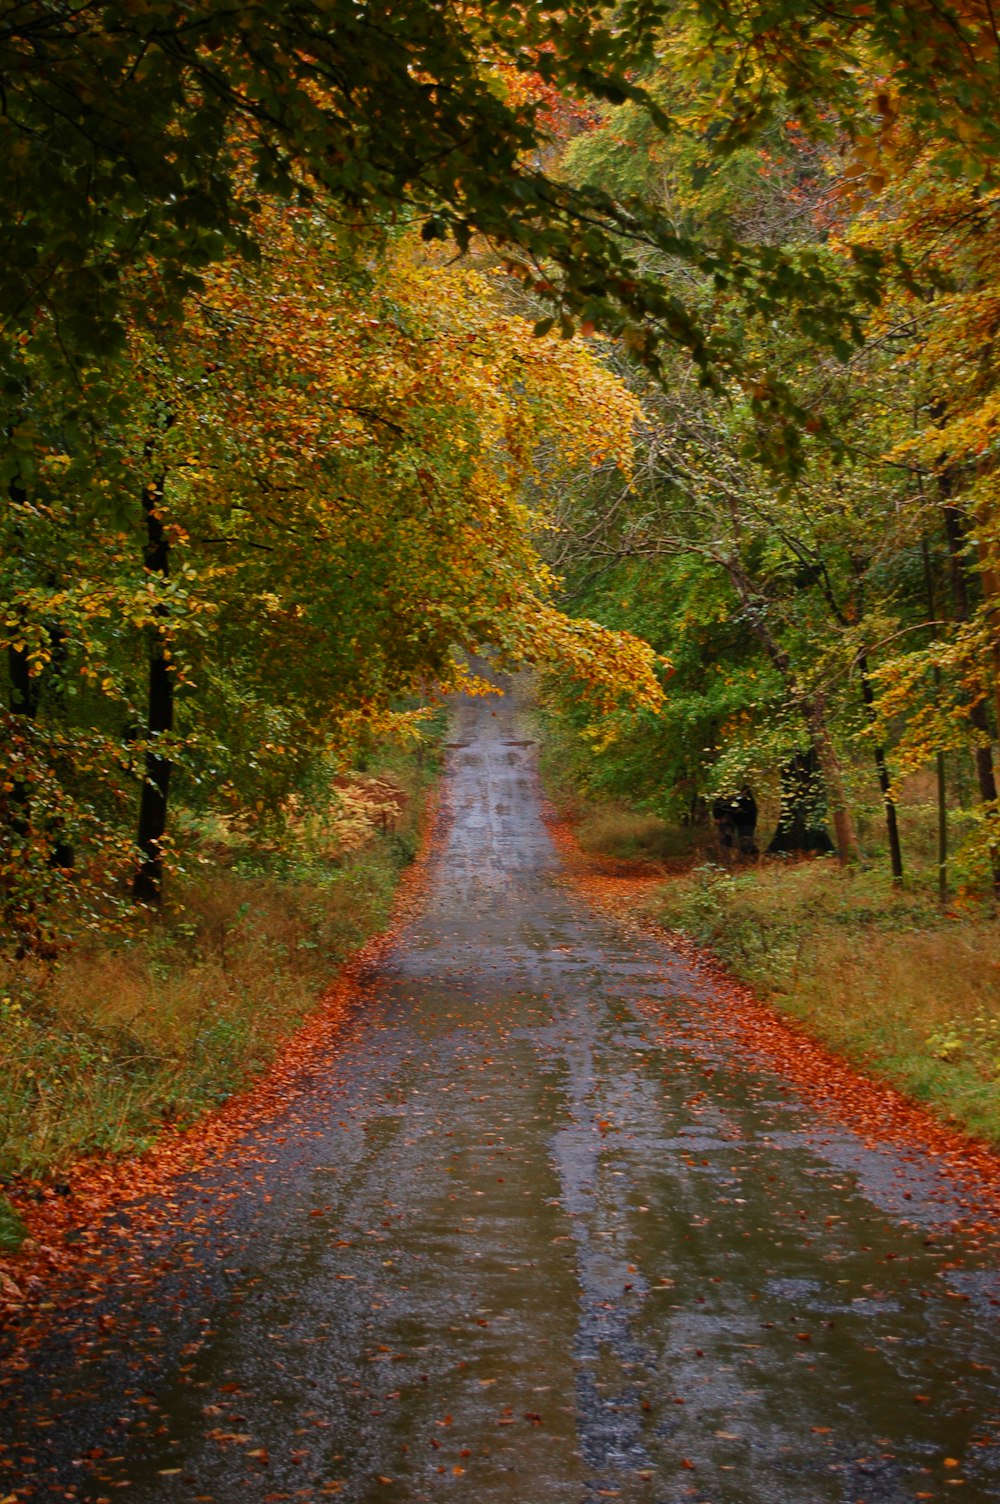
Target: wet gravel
533	1234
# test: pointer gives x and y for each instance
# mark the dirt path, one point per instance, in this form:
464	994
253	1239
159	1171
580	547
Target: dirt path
520	1241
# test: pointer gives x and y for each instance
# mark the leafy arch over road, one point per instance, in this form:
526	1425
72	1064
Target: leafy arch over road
121	120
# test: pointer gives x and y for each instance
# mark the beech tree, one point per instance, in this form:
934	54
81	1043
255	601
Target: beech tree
138	132
330	449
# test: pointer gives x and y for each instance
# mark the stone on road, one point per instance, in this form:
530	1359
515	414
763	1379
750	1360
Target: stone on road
533	1235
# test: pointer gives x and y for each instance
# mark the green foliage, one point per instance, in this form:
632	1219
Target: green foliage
857	71
855	601
719	693
337	445
375	114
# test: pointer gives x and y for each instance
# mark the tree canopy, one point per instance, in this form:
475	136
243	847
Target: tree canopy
327	333
150	130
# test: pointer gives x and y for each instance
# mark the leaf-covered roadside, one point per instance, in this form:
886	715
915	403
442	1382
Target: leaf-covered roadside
896	987
832	1047
883	978
121	1039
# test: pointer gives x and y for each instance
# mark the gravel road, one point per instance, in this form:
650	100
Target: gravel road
525	1241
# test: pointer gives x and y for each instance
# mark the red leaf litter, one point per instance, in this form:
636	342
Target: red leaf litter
877	1112
64	1231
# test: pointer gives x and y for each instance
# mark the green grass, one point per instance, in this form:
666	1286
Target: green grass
884	976
881	975
12	1230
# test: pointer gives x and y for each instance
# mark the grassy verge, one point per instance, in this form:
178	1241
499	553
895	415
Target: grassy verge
883	977
615	831
124	1036
905	990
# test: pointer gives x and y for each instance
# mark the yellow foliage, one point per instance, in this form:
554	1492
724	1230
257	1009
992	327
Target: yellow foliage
390	408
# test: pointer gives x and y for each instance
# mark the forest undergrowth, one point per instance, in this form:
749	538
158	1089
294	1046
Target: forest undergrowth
117	1039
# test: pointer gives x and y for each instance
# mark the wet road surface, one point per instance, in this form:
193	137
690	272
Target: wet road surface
523	1241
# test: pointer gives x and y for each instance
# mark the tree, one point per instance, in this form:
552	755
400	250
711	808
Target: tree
942	326
822	568
311	497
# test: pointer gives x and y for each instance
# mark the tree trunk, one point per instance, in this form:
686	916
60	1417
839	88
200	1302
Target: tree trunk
848	849
989	574
954	525
23	702
868	697
813	711
884	781
800	828
147	884
942	785
23	687
23	695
